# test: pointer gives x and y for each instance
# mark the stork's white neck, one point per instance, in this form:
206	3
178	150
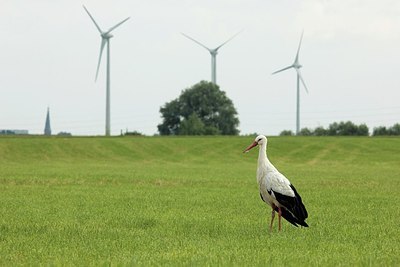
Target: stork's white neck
262	164
262	155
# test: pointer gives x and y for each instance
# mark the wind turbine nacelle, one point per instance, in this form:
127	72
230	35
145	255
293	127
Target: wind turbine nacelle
297	66
106	35
213	52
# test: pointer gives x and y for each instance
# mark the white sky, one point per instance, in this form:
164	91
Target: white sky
49	51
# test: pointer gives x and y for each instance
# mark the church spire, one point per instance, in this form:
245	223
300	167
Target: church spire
47	129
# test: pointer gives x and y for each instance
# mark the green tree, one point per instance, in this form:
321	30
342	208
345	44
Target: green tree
395	129
172	118
306	132
347	128
286	133
381	130
363	130
192	126
203	107
333	129
320	131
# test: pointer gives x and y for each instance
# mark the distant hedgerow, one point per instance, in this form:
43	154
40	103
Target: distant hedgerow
335	129
382	130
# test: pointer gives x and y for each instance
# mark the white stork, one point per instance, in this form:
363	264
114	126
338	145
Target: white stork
276	190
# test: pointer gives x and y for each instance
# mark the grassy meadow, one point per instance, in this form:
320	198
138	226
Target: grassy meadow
195	201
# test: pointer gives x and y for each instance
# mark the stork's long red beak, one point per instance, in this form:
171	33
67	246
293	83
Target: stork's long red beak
250	147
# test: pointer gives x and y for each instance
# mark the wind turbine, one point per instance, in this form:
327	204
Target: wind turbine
296	65
213	53
105	39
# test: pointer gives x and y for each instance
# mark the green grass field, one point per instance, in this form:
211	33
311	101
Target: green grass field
195	201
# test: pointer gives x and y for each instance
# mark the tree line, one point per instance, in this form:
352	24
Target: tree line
382	130
346	129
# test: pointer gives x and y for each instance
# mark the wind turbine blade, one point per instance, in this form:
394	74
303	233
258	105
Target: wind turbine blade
97	26
113	28
228	40
302	80
289	67
298	49
197	42
103	43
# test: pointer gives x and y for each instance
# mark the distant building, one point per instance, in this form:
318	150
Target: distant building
64	134
4	132
47	128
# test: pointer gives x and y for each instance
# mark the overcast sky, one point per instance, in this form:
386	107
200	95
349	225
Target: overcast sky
49	51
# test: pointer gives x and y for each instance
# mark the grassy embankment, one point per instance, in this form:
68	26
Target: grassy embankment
195	201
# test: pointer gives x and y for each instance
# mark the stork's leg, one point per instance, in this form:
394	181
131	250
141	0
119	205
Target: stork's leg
280	218
272	219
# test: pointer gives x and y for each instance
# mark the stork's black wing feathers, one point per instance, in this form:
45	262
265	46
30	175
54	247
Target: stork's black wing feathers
300	208
294	206
288	216
285	214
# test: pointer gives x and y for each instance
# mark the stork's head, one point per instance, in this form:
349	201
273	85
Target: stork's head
260	140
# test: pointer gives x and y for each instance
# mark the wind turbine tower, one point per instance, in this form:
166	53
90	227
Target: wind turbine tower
214	53
47	128
105	39
296	65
